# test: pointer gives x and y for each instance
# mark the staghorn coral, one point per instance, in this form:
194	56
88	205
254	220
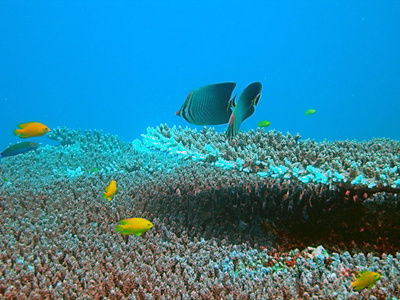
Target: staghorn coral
65	247
216	231
372	163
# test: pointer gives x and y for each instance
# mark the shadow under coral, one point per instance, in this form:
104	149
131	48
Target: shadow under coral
284	214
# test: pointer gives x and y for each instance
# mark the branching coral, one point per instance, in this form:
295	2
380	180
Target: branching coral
218	233
371	163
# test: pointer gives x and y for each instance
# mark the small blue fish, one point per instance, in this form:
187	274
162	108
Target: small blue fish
19	148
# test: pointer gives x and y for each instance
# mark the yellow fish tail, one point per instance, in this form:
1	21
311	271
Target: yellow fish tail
16	131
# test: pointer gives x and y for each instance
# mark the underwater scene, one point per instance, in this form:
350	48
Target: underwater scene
200	150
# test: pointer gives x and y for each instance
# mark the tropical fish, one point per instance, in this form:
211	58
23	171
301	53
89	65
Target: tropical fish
209	104
94	170
264	123
110	190
310	112
244	108
19	148
135	226
365	279
31	129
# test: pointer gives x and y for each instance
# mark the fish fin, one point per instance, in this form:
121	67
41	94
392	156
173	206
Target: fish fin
230	131
372	284
120	228
138	233
232	120
248	99
23	125
104	196
23	136
359	274
256	99
231	103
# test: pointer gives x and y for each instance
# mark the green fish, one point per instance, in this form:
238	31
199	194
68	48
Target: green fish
19	148
264	123
310	112
94	170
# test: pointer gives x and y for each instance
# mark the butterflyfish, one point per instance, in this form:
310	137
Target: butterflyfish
310	112
31	129
209	104
19	148
264	123
136	226
110	190
365	279
244	108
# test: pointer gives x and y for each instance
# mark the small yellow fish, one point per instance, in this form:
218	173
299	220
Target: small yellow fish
110	190
310	112
31	129
135	226
264	124
365	279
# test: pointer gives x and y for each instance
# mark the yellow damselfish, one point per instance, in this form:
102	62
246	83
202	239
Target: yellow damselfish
31	129
365	279
110	190
135	226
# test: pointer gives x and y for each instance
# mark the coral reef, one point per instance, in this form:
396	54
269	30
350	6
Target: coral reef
370	163
218	233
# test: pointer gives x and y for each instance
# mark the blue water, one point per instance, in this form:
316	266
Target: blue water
122	66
